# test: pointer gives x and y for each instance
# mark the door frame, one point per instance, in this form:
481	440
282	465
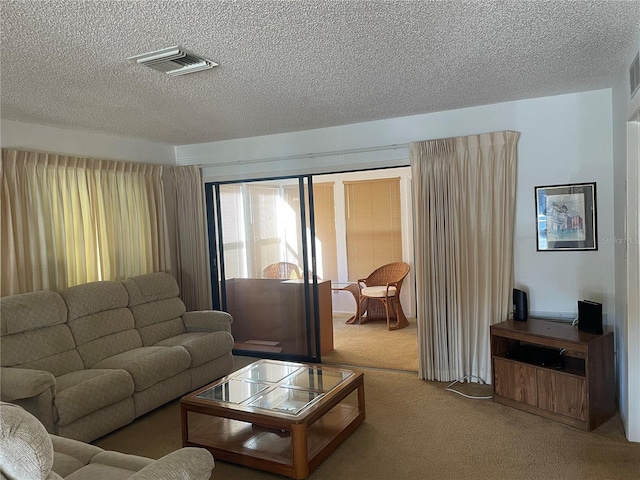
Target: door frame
632	254
217	266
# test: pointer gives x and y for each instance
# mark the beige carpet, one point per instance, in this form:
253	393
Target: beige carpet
417	430
373	345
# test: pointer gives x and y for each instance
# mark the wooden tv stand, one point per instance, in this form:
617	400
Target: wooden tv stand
579	392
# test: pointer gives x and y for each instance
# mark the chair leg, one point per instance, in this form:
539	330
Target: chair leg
386	309
401	319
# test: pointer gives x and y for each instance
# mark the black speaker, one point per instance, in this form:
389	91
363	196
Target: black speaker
590	317
520	307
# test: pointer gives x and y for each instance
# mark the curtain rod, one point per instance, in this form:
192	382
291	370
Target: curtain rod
395	146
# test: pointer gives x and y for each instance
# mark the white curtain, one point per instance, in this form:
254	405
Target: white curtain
192	248
464	206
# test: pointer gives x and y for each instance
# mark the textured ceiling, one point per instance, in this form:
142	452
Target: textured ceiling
288	66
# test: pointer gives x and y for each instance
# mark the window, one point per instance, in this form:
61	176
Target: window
373	225
68	220
325	226
260	226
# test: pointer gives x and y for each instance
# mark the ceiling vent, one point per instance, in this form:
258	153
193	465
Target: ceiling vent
173	61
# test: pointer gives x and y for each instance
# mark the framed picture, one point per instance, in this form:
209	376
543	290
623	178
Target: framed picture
566	217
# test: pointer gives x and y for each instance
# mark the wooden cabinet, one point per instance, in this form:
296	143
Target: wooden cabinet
578	389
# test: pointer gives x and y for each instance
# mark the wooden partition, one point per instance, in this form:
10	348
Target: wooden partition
269	315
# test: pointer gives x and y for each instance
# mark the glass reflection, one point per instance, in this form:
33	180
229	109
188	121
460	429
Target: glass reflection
318	379
270	372
232	391
286	400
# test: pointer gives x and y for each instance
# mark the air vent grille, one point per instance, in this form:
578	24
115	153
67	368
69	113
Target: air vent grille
634	75
173	61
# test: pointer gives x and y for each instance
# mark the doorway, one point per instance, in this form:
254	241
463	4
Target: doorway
336	228
371	215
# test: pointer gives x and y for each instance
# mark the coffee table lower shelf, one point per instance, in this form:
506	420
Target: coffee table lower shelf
270	449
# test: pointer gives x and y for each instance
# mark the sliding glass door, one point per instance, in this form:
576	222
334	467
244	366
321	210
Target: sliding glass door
263	249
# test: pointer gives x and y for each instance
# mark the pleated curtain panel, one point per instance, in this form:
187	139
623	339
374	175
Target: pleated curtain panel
192	249
68	220
464	203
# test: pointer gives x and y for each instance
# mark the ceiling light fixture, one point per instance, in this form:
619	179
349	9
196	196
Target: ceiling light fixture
173	61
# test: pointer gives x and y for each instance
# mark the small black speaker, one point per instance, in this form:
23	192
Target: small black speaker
590	317
520	307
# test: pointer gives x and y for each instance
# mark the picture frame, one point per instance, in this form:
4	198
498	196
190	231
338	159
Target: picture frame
566	217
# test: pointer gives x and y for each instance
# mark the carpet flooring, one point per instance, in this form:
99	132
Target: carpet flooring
419	430
373	345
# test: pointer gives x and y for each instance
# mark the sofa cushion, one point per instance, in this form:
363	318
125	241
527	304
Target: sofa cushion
96	326
94	297
112	466
70	455
151	288
122	460
100	321
158	311
149	365
26	451
101	472
156	306
159	320
31	311
34	333
100	422
109	346
86	391
202	346
50	348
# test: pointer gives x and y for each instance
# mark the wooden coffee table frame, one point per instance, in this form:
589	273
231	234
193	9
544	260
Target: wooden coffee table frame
290	445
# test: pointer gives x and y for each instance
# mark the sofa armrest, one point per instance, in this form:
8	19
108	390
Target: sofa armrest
21	383
192	463
33	390
207	321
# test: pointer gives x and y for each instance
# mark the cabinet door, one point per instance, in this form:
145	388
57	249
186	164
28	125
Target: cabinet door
562	394
514	380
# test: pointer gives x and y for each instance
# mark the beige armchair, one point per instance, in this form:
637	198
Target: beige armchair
383	285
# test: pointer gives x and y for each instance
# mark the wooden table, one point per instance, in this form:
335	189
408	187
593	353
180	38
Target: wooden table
281	417
354	289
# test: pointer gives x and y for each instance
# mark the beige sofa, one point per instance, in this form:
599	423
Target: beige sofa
28	452
92	358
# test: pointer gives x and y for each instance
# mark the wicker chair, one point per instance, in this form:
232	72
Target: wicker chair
383	285
282	270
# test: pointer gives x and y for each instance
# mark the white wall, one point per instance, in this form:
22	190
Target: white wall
564	139
627	327
26	136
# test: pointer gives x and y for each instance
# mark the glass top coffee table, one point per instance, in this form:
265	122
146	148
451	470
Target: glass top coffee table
281	417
